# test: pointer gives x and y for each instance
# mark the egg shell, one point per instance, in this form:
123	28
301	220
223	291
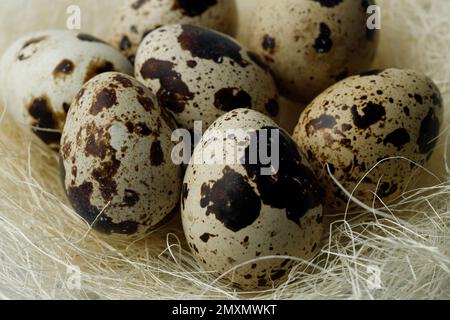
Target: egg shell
312	44
116	157
136	18
42	72
199	74
367	118
233	214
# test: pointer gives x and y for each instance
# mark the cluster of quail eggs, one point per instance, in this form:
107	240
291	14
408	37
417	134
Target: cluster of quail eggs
110	109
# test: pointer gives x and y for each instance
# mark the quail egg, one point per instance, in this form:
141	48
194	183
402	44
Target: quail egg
312	44
248	196
199	74
115	157
42	72
363	121
136	18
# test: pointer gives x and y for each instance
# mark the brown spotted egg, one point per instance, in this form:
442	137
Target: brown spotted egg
312	44
364	120
199	74
242	211
136	18
115	157
42	72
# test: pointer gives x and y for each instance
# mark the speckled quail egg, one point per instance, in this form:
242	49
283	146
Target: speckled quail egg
136	18
235	211
115	157
312	44
42	72
365	119
199	74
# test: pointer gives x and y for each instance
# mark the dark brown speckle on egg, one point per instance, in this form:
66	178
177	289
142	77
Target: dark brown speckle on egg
323	43
228	99
25	53
156	154
89	38
104	100
269	44
44	124
244	206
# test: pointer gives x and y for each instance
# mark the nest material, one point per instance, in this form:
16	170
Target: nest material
400	251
